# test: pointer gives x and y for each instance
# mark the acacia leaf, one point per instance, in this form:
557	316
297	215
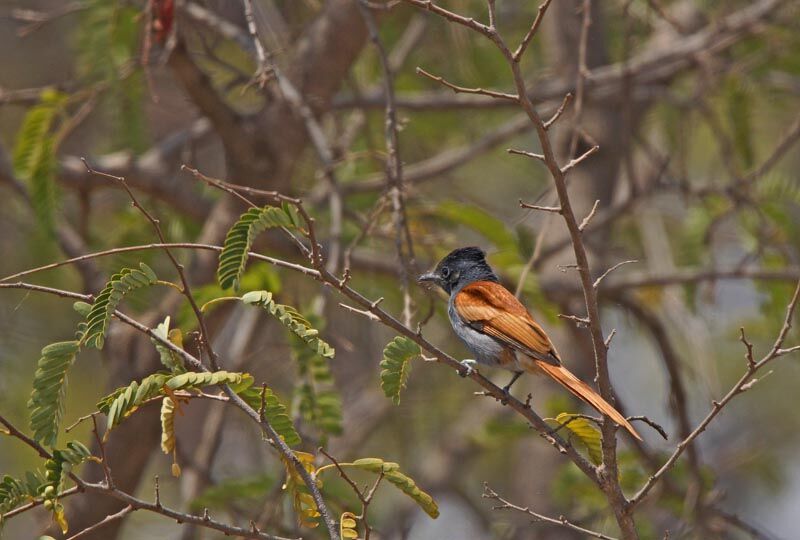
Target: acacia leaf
240	237
107	301
46	404
396	366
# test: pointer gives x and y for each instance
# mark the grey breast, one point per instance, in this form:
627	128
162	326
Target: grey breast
486	349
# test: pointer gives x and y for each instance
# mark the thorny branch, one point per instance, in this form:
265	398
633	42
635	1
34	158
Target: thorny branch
560	521
135	503
743	384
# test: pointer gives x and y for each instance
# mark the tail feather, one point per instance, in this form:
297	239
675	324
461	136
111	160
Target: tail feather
585	393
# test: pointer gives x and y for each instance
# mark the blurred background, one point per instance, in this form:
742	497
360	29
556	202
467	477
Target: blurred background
695	107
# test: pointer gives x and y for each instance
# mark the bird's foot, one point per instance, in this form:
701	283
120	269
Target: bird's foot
470	367
507	388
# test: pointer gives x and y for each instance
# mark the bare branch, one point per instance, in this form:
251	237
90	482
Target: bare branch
365	313
561	521
454	17
589	216
596	283
651	423
610	337
553	209
742	385
559	111
576	161
531	155
517	56
108	519
464	90
749	346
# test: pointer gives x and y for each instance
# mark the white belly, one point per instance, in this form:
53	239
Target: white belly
486	349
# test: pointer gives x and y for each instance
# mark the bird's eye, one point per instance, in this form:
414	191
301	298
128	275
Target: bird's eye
445	272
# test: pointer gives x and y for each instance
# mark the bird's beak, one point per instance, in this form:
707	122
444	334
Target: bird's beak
429	276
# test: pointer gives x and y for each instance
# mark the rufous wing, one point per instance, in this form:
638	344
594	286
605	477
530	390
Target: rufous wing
492	309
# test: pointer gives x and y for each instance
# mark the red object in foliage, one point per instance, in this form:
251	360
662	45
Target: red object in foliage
163	17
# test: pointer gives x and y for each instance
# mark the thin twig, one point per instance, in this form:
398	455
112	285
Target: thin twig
561	521
559	111
532	155
739	387
517	56
577	161
464	90
596	283
553	209
108	519
589	216
652	423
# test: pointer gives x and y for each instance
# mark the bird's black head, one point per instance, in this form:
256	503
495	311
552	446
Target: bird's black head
461	267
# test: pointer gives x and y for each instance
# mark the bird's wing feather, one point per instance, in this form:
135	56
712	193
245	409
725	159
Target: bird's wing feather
492	309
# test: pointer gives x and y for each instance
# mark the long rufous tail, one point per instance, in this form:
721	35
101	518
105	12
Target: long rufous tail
584	392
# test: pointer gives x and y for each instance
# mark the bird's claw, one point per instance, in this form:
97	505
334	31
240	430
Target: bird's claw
470	367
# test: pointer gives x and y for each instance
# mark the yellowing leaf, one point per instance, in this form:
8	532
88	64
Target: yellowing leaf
303	503
391	472
586	431
60	517
347	526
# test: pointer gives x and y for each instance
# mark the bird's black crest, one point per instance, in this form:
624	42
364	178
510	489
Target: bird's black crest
472	254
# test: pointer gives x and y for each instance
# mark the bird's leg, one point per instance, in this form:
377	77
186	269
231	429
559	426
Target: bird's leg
470	365
516	376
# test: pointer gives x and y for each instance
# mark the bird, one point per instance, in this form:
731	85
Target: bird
500	331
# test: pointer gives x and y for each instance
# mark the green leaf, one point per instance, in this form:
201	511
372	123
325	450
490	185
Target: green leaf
240	237
316	398
241	492
291	319
82	308
123	401
407	485
34	155
391	472
127	280
56	470
274	411
396	366
586	431
46	404
192	379
14	492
